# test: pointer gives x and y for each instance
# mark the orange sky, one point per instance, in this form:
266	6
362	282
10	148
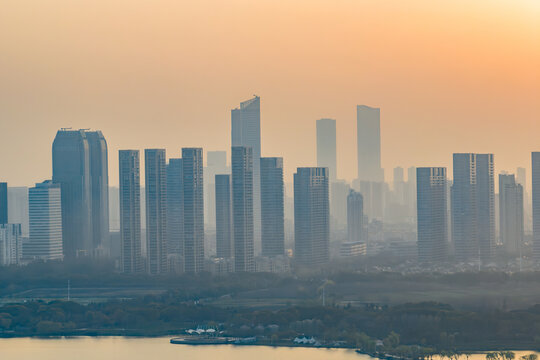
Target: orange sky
449	76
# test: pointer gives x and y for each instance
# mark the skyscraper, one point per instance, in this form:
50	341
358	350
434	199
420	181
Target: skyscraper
535	183
3	203
10	244
355	218
175	207
216	163
224	248
326	146
369	143
510	214
272	207
192	169
156	210
71	169
432	219
242	195
246	131
99	180
311	216
473	206
45	218
130	210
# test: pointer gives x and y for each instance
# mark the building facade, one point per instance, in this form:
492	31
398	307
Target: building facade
130	211
224	248
192	169
511	221
272	207
368	126
356	229
175	207
156	210
326	146
242	200
311	216
432	221
45	221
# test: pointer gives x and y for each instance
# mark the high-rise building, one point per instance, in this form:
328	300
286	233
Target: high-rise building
192	169
369	143
10	244
311	216
535	184
71	169
510	214
326	146
3	203
18	208
242	200
45	218
99	182
473	206
246	131
272	207
355	218
339	190
224	248
175	207
432	219
216	163
156	210
130	211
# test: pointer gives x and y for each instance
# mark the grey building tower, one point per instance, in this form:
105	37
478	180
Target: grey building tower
535	184
355	218
511	222
473	206
45	219
369	143
246	131
224	248
175	207
71	169
192	169
432	218
3	203
156	210
216	163
326	146
242	196
130	211
311	216
272	207
99	180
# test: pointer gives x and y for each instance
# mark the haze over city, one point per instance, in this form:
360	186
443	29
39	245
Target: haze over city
448	77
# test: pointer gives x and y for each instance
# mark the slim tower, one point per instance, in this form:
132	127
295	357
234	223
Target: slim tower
326	146
192	170
224	248
272	208
242	187
369	143
175	207
130	210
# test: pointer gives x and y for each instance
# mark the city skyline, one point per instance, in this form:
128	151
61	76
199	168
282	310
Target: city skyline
487	75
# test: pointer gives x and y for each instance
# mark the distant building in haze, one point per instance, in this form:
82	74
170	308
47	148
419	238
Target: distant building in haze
339	190
242	200
10	244
216	163
311	216
246	131
71	169
175	207
535	183
130	211
432	218
45	218
368	122
473	206
326	146
156	210
272	207
192	168
355	218
224	248
511	214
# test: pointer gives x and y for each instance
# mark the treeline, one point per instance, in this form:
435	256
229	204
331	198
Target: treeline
429	325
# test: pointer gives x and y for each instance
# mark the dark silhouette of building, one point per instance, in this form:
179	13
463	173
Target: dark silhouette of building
272	207
224	248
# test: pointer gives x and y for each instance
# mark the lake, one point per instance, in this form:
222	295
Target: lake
121	348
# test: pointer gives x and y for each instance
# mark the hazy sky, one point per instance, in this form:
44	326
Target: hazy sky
449	76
